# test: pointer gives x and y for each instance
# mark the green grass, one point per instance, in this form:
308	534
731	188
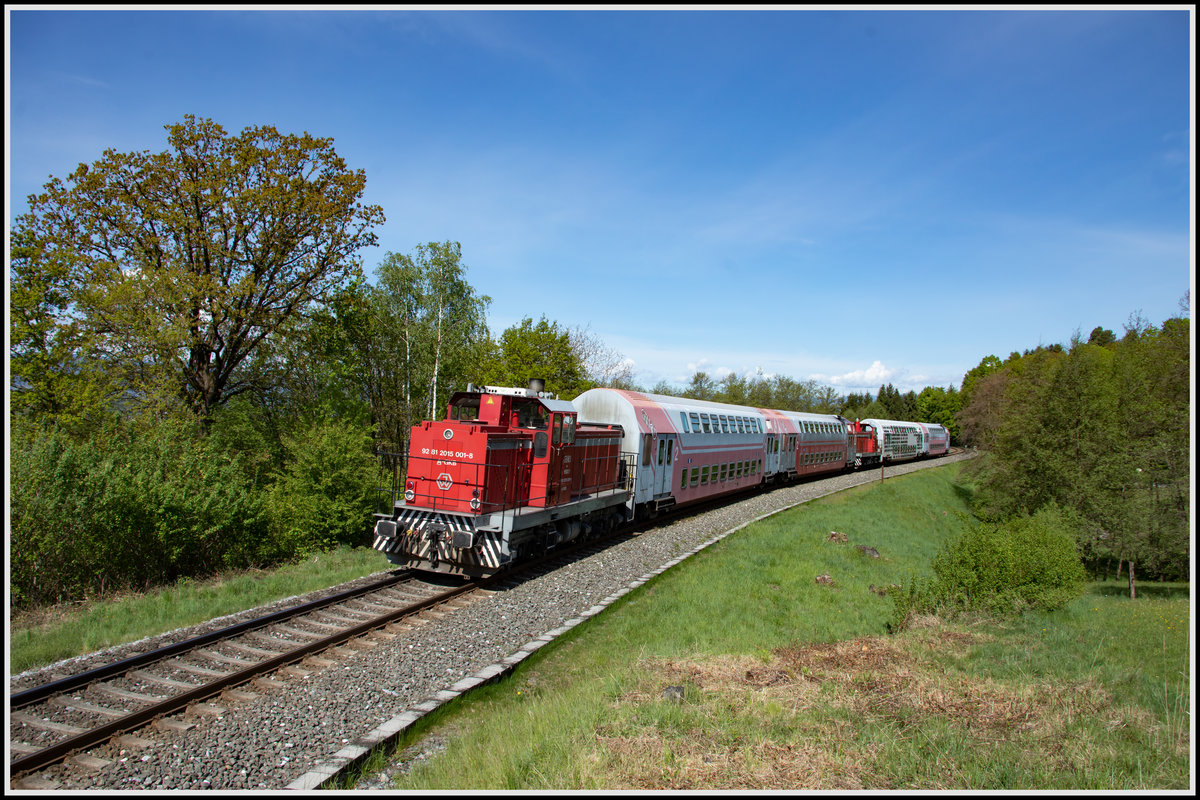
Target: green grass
49	635
790	684
787	683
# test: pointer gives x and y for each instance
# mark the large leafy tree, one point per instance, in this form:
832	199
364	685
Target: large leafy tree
52	373
935	404
539	349
182	265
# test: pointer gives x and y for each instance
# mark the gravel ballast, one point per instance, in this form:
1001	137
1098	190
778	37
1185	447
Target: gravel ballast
289	734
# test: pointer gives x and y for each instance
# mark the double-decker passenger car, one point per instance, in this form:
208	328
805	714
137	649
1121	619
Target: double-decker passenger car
687	450
900	441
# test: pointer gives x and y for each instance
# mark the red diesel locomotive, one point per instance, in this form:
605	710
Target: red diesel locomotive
509	473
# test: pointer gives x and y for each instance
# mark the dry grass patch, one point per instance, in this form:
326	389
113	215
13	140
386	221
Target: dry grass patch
702	761
799	719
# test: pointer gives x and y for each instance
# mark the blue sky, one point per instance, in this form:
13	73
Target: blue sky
853	196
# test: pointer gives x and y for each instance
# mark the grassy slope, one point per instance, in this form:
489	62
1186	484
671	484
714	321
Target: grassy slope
788	683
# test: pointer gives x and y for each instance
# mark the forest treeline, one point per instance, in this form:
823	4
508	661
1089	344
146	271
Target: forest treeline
1099	429
203	378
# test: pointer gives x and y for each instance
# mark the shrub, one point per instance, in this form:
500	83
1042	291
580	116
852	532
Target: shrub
325	495
142	501
1000	569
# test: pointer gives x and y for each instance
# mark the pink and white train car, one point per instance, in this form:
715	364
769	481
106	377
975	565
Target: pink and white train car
688	450
937	439
812	443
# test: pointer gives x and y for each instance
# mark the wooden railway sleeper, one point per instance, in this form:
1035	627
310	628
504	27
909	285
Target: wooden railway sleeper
324	625
224	659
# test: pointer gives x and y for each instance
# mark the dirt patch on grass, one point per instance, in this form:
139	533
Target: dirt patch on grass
814	717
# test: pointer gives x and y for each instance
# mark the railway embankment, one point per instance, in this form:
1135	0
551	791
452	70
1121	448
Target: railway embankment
317	722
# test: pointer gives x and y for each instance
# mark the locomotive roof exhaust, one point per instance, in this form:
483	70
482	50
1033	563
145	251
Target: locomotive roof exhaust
537	385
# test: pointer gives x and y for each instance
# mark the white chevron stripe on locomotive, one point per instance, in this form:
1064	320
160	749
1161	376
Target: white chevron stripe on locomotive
486	552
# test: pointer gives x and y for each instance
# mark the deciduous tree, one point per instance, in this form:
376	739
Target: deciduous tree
183	263
602	365
425	331
541	350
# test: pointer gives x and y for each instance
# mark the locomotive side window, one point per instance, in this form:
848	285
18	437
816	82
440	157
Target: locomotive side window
683	421
695	475
670	450
647	444
661	454
724	424
704	423
569	429
695	422
465	409
703	476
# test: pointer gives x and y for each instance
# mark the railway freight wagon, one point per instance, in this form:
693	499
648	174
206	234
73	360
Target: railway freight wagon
507	475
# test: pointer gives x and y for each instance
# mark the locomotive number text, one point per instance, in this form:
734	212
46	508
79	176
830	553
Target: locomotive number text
456	454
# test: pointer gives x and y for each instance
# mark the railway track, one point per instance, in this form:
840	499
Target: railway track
50	722
57	720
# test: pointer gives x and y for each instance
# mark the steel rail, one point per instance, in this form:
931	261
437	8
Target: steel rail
56	752
36	694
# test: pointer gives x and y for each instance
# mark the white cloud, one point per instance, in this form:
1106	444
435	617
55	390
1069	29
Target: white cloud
873	376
